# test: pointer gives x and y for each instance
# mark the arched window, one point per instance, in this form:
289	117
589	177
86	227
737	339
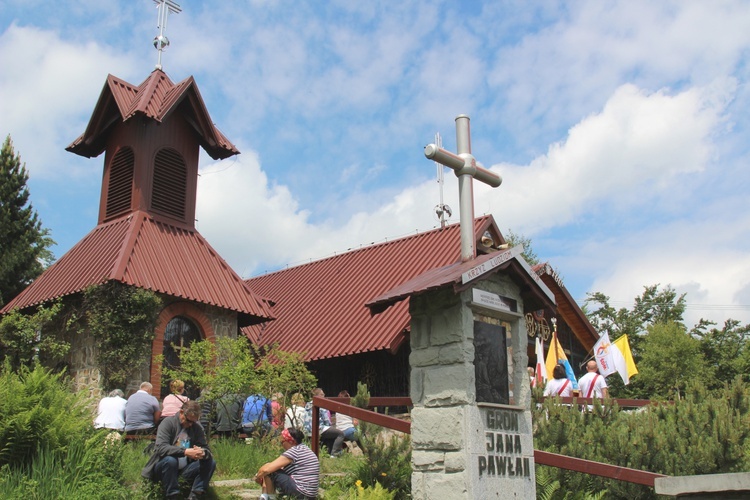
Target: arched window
179	334
179	325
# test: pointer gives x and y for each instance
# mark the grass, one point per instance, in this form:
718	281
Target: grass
235	460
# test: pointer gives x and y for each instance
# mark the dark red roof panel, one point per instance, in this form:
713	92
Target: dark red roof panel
141	251
320	306
155	98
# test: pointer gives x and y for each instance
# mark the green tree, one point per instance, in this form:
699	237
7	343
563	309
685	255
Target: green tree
670	360
22	340
727	350
24	243
234	366
514	239
653	306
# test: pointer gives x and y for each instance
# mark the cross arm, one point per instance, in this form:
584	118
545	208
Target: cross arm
462	165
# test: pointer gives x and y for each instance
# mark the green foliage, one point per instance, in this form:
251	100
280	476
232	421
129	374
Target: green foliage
121	319
702	433
387	459
21	340
652	307
282	372
377	492
670	358
38	409
234	366
727	351
84	470
237	460
667	354
514	239
24	244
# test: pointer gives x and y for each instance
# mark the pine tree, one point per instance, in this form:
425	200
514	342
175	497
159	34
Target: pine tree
24	244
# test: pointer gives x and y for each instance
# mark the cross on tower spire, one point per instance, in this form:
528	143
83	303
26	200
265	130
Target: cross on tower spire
465	167
161	42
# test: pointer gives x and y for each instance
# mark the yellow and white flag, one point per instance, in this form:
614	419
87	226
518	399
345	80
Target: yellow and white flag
623	359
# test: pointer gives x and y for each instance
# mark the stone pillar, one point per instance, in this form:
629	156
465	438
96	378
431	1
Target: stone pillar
463	448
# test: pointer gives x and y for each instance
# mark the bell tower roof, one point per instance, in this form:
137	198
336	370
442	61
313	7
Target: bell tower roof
156	99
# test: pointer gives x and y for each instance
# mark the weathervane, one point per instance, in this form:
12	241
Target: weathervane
466	169
161	42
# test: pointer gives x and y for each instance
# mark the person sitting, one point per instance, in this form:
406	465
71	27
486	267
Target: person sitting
347	424
296	472
180	450
332	438
111	412
228	420
559	385
256	416
277	410
295	414
142	411
173	402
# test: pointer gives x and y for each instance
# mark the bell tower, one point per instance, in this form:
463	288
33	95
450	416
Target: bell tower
151	135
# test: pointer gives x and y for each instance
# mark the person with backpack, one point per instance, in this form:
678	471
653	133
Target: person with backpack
257	416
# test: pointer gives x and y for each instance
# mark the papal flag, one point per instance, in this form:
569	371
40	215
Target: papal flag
556	355
623	359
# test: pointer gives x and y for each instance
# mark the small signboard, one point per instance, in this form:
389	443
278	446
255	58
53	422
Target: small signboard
493	301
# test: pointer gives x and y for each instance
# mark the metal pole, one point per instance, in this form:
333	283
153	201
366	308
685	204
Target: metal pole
465	189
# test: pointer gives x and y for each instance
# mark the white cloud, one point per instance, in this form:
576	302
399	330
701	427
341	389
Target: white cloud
54	85
639	143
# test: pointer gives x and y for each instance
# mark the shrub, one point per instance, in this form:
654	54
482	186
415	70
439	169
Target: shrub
387	460
37	409
703	433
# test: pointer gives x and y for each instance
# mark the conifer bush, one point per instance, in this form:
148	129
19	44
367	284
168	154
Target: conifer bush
387	460
703	433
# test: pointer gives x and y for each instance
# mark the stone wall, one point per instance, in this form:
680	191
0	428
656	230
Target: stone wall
453	437
82	359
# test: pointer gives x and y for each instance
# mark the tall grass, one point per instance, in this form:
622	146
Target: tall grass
83	470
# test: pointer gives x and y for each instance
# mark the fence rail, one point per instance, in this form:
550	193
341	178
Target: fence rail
341	405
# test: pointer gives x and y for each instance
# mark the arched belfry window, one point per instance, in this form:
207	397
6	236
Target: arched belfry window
169	190
120	188
179	334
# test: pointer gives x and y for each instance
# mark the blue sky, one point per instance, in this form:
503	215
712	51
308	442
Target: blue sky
620	128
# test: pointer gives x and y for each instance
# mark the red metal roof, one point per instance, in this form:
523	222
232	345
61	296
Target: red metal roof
155	98
320	306
452	274
145	252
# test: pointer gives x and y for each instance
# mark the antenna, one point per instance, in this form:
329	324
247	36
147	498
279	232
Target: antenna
441	209
161	42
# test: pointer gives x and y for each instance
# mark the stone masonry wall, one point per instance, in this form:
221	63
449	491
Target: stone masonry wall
449	433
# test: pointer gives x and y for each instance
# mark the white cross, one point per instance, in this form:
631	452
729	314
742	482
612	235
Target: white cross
161	42
465	167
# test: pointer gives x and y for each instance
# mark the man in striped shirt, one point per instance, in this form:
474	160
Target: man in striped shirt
296	472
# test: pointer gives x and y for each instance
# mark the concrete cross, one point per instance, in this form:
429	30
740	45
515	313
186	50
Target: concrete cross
161	42
465	167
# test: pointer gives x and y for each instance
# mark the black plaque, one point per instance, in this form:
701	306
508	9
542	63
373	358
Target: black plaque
490	363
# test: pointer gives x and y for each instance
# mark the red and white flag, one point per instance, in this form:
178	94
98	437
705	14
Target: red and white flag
540	372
